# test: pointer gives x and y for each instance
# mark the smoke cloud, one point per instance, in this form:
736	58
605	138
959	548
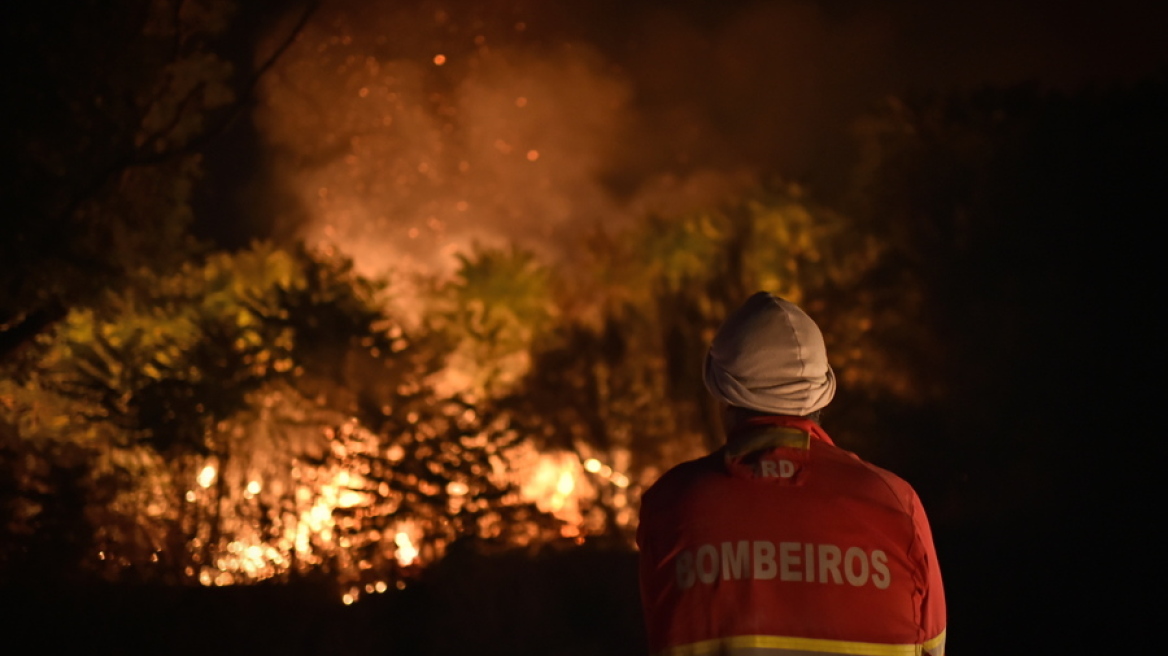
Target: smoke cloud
406	131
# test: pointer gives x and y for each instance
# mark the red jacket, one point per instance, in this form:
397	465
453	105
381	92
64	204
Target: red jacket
783	543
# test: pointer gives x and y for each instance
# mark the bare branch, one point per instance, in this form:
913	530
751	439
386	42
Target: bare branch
237	109
160	134
143	156
15	333
176	22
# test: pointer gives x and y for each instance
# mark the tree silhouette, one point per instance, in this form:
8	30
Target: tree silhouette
113	103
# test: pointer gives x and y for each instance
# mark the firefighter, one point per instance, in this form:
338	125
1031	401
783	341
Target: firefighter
780	542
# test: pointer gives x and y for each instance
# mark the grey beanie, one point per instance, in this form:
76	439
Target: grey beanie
769	356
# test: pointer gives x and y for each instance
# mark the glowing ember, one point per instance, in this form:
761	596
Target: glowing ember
407	553
564	488
206	476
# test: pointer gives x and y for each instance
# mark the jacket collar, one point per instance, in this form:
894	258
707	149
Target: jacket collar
771	431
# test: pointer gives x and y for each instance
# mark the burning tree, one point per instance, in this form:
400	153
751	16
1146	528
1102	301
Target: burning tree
264	414
259	416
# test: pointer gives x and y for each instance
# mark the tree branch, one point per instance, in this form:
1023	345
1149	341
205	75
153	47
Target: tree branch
142	156
246	95
20	330
16	334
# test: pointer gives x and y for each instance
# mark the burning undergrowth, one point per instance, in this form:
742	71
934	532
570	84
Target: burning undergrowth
263	417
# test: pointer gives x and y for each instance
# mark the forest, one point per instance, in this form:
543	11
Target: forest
236	434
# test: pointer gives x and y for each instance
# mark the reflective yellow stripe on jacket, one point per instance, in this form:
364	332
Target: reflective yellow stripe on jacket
762	645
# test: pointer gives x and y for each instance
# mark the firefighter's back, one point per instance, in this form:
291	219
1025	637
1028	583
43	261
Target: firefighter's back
783	549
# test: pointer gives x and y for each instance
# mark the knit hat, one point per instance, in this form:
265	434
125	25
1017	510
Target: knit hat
769	356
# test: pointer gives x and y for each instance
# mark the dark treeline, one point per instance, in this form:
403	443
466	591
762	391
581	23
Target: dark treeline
1029	219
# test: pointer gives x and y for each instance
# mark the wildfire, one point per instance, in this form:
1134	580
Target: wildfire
505	149
407	553
270	520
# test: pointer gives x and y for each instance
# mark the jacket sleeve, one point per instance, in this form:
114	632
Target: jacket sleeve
932	604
